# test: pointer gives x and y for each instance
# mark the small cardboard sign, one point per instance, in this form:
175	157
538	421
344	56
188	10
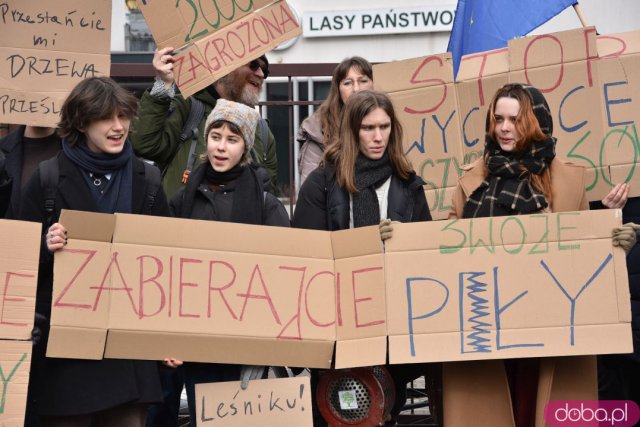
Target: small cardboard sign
19	252
214	38
46	48
271	402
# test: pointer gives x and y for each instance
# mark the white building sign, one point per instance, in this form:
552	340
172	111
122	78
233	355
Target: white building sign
418	19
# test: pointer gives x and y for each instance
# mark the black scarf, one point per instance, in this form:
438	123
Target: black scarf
117	196
248	193
507	190
370	174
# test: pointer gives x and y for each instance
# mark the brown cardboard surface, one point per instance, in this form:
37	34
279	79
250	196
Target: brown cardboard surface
224	349
176	24
15	359
285	306
19	252
415	73
476	66
272	402
613	45
44	58
235	283
565	378
18	277
619	77
591	100
432	139
501	288
361	318
542	50
219	40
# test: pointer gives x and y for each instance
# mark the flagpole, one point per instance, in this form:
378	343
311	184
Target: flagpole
583	21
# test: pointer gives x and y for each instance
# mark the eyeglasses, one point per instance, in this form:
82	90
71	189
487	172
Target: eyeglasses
255	64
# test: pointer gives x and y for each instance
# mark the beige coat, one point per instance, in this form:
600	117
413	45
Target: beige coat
477	393
567	187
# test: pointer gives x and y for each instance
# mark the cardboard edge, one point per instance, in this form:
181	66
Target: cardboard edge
349	353
68	342
147	345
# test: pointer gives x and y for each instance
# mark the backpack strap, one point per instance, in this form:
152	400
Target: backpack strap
49	174
154	182
263	131
190	131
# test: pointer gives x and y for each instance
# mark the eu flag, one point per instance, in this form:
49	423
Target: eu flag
481	25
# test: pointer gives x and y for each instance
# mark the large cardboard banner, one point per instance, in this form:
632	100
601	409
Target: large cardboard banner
271	402
19	252
127	285
588	80
137	287
214	38
46	48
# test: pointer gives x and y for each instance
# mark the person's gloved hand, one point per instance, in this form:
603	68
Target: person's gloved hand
625	236
386	229
250	372
39	326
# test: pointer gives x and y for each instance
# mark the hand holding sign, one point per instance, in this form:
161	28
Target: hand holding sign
163	64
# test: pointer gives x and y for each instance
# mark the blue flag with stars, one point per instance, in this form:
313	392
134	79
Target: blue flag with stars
481	25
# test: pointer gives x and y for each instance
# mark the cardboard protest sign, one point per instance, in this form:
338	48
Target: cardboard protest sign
619	73
266	403
129	286
505	287
219	291
215	38
19	253
46	48
589	85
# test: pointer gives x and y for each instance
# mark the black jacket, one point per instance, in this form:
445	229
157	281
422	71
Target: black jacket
71	386
216	205
13	149
323	205
5	186
631	213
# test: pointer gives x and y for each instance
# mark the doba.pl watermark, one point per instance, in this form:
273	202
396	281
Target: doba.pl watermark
591	413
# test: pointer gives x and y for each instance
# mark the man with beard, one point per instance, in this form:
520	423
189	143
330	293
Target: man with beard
158	133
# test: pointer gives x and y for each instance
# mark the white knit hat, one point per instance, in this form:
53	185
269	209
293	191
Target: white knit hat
243	116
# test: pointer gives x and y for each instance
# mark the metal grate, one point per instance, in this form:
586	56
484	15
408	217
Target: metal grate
362	398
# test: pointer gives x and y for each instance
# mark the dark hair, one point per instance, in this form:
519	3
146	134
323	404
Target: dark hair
93	99
347	147
331	109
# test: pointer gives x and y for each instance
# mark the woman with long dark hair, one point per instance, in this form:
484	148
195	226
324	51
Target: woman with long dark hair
364	179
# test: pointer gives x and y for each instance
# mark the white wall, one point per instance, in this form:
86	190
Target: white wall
118	19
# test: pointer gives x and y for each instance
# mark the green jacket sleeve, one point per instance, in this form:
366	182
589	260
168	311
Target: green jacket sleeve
156	133
271	161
